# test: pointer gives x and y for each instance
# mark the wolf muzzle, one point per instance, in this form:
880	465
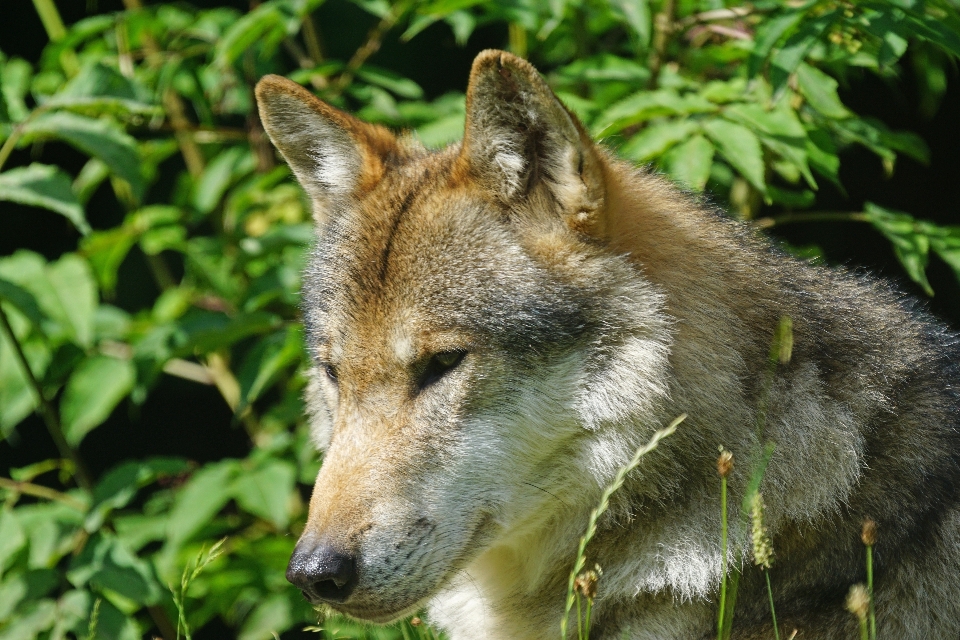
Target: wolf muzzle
322	572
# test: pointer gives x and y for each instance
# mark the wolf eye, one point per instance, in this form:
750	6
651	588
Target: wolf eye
331	372
439	365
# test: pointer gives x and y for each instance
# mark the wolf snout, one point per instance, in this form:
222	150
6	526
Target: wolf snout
322	571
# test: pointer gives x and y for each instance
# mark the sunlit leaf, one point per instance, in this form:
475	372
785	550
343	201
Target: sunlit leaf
768	34
636	13
98	137
12	538
270	616
656	139
93	391
785	61
41	185
266	360
912	248
820	90
207	491
740	147
15	76
107	564
266	491
689	163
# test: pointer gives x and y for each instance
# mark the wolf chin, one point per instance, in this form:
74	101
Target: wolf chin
495	327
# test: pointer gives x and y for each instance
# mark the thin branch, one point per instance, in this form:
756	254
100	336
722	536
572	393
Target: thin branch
662	30
56	31
46	409
39	491
10	143
173	105
812	216
370	46
311	37
718	14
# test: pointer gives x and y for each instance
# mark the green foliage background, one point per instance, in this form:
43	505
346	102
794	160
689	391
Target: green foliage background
740	100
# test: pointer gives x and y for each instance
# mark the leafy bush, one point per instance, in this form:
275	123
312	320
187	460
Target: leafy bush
740	101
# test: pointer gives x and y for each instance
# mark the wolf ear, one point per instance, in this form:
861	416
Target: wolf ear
518	133
331	153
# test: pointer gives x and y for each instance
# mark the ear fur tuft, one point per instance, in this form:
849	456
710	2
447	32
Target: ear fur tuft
331	153
518	132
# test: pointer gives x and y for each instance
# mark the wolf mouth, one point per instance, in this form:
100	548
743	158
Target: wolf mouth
383	615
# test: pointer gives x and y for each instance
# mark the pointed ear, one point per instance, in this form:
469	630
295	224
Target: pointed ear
519	133
332	154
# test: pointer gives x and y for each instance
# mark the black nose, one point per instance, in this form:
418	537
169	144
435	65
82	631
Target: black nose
322	571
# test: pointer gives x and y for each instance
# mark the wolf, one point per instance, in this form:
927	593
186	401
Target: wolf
496	326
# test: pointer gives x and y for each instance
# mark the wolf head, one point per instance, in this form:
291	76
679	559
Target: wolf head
468	326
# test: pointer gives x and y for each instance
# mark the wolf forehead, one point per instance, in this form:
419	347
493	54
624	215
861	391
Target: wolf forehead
423	250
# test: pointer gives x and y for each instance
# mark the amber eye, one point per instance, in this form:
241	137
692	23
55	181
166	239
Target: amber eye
439	365
331	372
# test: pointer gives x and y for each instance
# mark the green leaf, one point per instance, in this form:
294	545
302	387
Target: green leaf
107	564
12	538
442	131
24	586
266	491
636	13
207	491
15	77
93	391
935	31
36	618
271	616
820	90
876	136
120	485
403	87
740	147
98	137
23	300
911	247
768	34
645	105
945	242
266	360
42	185
91	176
265	24
17	396
795	49
229	165
656	139
68	293
99	90
106	251
689	163
51	529
207	331
779	130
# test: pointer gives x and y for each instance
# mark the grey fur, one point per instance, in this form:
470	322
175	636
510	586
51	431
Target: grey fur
596	302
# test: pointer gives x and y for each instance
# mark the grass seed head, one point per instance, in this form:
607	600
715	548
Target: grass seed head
869	533
762	547
725	463
586	583
858	601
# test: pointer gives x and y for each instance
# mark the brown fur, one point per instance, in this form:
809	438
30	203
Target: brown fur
590	303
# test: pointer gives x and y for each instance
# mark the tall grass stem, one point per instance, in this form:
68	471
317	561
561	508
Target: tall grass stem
602	507
872	615
773	612
723	555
